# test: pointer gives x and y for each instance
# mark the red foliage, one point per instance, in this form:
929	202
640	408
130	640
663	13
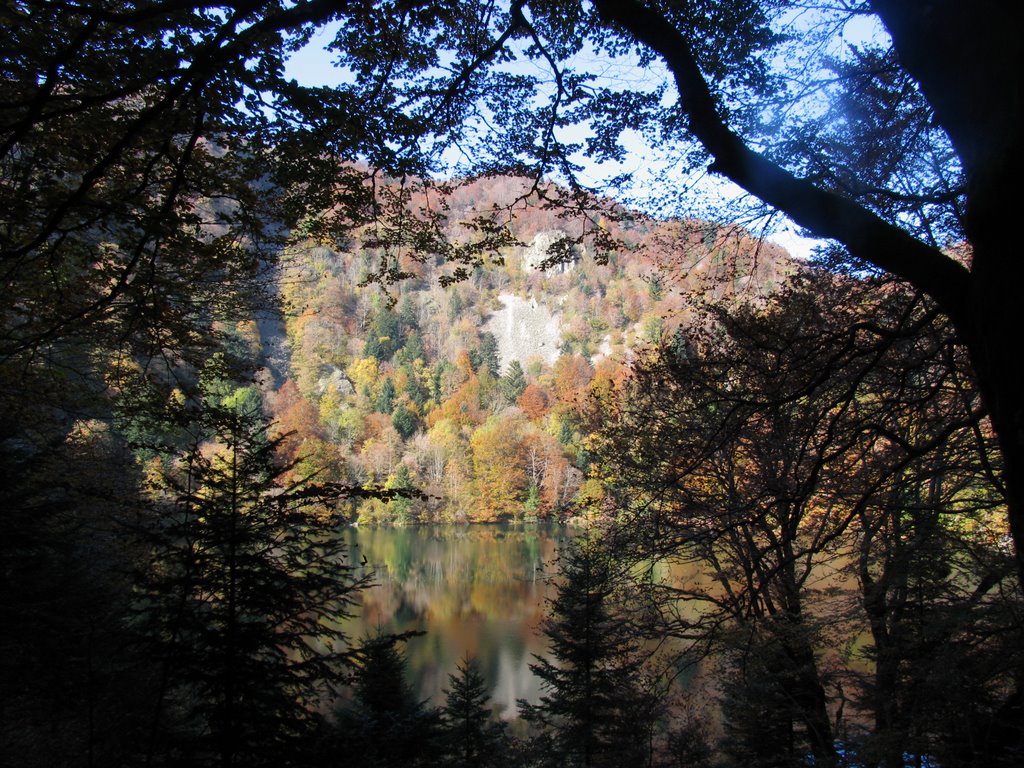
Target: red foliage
534	402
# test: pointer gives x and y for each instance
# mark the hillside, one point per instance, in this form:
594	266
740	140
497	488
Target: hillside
470	391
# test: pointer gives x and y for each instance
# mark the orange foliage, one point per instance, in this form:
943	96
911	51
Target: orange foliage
295	418
571	376
607	374
533	402
462	408
377	424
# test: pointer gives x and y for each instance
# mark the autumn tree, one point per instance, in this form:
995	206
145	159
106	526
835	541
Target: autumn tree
297	421
941	76
498	469
449	465
778	442
533	401
571	374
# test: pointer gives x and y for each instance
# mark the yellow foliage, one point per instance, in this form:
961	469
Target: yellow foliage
364	372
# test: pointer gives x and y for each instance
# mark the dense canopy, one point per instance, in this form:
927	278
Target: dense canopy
156	146
157	159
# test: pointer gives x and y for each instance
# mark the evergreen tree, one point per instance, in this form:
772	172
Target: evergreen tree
404	420
414	387
400	506
406	311
439	370
385	402
513	382
595	709
455	305
244	596
472	737
413	348
485	357
385	725
758	717
384	337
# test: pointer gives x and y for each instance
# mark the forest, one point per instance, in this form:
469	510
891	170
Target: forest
418	391
480	276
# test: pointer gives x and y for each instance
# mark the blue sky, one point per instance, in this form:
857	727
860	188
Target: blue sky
313	66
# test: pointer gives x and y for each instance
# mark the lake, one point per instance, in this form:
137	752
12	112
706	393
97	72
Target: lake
475	590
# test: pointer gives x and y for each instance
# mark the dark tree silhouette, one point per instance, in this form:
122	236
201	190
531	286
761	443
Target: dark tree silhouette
244	598
384	724
796	438
472	736
596	709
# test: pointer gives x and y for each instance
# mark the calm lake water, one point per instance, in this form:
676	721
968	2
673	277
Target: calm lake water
476	590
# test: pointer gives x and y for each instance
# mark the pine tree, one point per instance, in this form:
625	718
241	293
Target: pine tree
595	710
385	402
385	725
384	336
758	718
412	350
400	507
513	382
472	737
486	356
404	420
244	597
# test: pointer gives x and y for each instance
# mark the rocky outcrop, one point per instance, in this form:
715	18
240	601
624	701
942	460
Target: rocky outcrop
535	254
524	329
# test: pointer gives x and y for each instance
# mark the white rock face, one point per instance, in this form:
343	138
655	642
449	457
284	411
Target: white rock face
524	329
535	253
337	379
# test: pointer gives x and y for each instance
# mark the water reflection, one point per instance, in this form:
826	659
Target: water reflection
476	590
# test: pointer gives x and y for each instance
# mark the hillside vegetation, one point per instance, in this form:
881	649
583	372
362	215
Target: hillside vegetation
469	391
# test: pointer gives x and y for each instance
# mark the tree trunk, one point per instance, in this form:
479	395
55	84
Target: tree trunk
884	690
805	690
994	340
967	59
997	314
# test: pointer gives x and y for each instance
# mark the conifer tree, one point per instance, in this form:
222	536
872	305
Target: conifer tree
385	402
384	336
385	724
244	597
472	737
400	507
513	382
485	358
404	420
595	709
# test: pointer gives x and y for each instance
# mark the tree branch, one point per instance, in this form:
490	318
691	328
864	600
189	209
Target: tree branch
866	235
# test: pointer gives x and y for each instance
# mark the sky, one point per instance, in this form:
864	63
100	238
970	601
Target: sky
313	66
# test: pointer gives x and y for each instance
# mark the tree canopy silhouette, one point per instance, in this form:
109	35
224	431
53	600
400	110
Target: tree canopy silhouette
148	148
